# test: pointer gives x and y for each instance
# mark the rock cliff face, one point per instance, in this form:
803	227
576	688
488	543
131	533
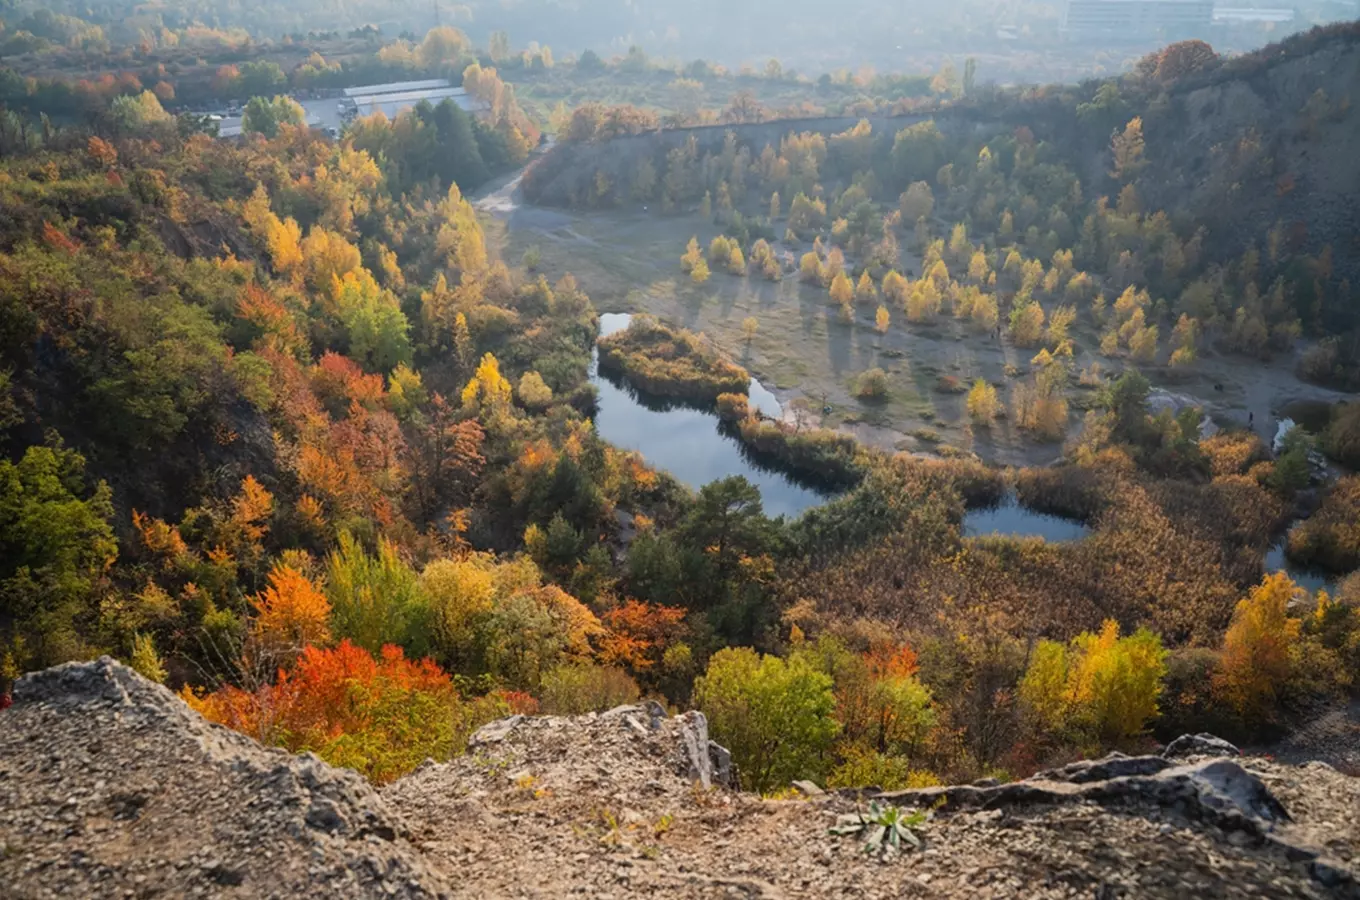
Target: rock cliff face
1264	143
109	786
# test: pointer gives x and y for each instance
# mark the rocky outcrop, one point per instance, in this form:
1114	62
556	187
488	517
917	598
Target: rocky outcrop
110	786
1199	745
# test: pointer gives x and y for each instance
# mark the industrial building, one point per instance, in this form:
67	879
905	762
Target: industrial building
391	99
1139	19
332	115
397	87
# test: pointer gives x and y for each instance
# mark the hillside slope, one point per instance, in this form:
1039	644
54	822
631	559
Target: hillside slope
1239	146
109	786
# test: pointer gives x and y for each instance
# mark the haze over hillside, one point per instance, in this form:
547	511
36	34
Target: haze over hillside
500	425
808	36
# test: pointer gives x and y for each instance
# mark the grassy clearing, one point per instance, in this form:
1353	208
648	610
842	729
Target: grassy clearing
630	262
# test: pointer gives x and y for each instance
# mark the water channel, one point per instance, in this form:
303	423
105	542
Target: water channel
688	442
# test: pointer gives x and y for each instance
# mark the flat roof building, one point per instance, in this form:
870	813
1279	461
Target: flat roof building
1139	19
398	87
393	103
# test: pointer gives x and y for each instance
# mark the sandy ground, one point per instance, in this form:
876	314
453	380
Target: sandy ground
628	261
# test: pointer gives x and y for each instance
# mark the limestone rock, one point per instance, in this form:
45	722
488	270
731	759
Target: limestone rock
92	754
1202	744
110	786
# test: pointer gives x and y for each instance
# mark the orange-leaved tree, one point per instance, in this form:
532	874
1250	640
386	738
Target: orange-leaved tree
291	613
638	634
380	716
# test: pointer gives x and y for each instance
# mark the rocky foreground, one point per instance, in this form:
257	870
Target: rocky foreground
111	787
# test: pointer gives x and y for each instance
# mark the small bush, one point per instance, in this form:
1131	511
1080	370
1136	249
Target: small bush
1341	440
872	385
575	689
950	384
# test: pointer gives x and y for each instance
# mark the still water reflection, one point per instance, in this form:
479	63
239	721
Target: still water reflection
1010	519
688	442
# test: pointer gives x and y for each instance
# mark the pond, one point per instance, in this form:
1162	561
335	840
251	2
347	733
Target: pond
1310	580
688	442
1010	519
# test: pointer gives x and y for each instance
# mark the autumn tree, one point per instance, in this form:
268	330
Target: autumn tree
842	289
637	636
864	288
1126	151
1258	649
736	262
810	268
776	717
895	288
380	716
488	389
982	402
445	459
291	614
1101	685
1026	325
693	255
880	703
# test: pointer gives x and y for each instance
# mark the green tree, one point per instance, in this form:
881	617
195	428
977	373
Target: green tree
775	716
377	329
918	152
136	113
55	544
265	117
261	78
376	599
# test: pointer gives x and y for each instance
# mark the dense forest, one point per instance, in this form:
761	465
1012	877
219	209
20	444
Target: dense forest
280	429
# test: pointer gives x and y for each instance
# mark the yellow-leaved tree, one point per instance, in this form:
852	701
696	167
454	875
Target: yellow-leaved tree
1100	686
488	388
982	402
1258	648
1126	149
842	289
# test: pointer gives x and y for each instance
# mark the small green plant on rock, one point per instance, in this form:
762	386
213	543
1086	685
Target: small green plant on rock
884	828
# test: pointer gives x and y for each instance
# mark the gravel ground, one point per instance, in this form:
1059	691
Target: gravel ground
111	787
